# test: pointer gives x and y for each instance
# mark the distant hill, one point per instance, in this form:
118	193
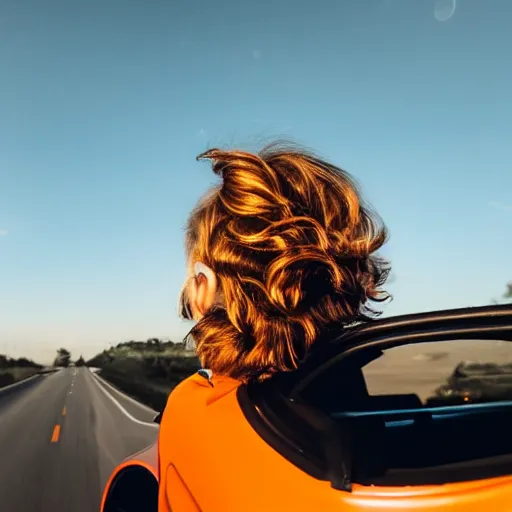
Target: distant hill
147	370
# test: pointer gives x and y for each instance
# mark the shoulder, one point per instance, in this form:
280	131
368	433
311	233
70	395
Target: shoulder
201	388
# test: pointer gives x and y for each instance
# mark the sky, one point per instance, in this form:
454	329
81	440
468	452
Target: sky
104	105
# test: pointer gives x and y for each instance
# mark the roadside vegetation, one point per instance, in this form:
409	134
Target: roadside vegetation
506	297
15	370
146	370
63	358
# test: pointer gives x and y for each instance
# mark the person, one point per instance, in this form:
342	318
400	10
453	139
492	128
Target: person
279	253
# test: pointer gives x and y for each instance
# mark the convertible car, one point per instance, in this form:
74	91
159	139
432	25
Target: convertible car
383	416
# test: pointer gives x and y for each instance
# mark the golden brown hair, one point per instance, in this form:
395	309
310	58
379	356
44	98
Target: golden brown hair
293	248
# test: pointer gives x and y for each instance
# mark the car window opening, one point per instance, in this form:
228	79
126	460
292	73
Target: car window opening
417	414
423	417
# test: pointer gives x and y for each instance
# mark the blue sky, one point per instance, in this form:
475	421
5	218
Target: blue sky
105	104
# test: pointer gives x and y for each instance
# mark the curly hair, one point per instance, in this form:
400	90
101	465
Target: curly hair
293	247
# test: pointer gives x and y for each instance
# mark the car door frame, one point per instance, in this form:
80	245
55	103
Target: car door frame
274	408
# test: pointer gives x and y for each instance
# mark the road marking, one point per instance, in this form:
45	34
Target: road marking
121	408
124	395
64	411
56	433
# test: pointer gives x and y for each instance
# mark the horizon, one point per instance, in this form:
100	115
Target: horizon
103	110
114	346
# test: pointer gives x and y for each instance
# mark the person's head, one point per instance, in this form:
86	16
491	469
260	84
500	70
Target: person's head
281	252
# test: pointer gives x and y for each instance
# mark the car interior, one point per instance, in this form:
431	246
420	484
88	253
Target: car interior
399	440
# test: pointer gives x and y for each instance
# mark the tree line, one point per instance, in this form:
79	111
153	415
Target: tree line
11	362
507	296
63	359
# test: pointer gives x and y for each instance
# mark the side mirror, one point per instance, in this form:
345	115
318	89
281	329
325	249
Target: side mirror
158	418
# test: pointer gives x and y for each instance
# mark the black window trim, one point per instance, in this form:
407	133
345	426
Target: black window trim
412	338
271	434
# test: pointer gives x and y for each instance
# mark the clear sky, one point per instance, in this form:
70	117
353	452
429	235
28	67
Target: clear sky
104	105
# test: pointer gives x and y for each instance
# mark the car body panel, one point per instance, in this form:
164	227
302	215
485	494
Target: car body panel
232	463
212	459
146	458
231	457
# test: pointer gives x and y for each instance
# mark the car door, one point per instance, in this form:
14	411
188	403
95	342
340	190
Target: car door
417	402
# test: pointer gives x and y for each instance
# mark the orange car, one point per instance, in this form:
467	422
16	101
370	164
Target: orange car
388	415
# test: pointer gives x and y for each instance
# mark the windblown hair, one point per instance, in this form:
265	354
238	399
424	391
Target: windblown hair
293	248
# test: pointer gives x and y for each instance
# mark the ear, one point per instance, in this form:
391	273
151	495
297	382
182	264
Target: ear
204	290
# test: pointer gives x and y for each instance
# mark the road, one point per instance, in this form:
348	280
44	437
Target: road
61	436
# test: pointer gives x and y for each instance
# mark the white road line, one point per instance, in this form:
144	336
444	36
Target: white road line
122	409
124	395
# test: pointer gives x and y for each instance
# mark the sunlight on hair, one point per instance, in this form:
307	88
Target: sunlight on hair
294	249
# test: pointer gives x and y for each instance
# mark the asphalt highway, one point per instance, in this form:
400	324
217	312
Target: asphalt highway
61	435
